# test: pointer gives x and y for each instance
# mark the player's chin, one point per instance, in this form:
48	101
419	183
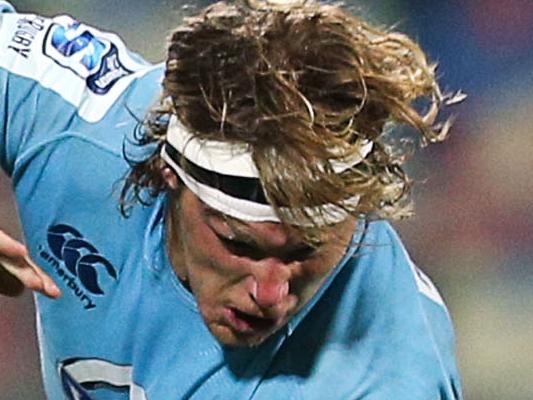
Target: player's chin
229	337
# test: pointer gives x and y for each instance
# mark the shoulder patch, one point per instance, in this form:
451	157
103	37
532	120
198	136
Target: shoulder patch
89	55
88	68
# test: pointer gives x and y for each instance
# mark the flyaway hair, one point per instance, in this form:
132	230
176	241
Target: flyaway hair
301	85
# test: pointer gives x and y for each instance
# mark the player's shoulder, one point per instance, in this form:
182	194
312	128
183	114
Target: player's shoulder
382	241
87	67
407	287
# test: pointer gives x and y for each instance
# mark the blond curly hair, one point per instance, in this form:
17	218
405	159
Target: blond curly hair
302	84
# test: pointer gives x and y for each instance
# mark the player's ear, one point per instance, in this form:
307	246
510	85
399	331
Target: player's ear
170	177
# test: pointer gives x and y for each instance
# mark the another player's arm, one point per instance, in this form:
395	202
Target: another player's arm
18	271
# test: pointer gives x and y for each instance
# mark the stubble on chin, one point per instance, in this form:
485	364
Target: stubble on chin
227	337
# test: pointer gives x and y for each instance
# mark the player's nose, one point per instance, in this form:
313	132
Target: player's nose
270	293
271	284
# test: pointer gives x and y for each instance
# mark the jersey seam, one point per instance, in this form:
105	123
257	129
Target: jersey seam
28	153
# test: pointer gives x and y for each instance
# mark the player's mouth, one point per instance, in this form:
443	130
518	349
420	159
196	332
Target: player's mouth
244	323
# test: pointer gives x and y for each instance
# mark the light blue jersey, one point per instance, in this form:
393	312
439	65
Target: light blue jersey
125	327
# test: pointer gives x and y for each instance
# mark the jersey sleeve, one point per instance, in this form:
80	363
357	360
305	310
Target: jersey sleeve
56	73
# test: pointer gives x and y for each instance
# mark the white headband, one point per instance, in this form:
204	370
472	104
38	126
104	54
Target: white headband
234	161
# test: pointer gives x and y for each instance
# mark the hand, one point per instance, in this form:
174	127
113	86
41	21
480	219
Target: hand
18	271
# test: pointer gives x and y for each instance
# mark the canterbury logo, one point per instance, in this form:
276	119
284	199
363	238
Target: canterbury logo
81	258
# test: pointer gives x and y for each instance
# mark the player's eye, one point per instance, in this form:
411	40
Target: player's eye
242	248
301	253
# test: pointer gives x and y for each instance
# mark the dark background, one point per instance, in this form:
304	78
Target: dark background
473	228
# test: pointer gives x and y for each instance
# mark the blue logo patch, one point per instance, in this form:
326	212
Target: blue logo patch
80	257
95	59
78	264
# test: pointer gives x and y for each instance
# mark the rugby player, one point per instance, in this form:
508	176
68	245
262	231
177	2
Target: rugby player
216	225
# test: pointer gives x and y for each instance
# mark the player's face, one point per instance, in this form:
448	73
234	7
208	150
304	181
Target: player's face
248	278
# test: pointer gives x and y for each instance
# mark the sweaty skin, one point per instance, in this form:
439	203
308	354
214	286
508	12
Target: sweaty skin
248	279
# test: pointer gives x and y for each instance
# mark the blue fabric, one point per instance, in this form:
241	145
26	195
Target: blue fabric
125	328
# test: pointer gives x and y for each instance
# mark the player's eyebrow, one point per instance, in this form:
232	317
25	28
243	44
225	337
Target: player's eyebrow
244	237
243	233
237	227
299	250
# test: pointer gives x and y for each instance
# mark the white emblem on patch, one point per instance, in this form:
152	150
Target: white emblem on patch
88	68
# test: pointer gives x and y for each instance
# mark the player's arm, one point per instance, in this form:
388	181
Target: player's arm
53	73
17	270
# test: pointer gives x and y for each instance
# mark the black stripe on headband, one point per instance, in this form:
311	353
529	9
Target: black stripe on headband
235	186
